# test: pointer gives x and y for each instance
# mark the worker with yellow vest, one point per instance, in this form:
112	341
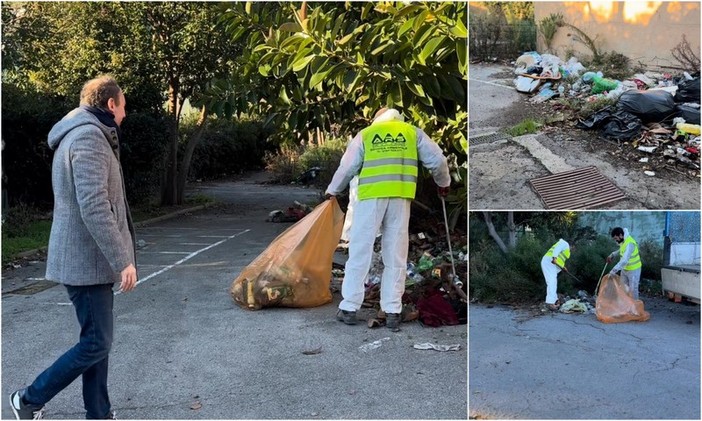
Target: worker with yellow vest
629	261
385	156
551	265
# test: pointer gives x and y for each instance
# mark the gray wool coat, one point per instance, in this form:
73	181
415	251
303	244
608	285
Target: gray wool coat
92	235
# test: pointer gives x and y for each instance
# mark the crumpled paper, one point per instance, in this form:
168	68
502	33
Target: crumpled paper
436	347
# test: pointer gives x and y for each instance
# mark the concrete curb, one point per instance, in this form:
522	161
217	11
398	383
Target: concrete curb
171	215
140	224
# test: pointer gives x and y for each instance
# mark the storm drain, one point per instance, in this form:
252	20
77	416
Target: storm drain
486	138
576	189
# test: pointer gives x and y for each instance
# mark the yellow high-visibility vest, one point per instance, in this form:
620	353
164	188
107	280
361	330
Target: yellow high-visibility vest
389	161
634	261
562	256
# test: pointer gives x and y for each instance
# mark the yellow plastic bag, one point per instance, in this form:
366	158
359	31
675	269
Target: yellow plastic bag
295	269
615	305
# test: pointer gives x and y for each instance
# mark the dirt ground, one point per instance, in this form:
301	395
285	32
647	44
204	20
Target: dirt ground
499	171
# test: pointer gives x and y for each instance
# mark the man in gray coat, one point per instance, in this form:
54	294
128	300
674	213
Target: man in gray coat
91	246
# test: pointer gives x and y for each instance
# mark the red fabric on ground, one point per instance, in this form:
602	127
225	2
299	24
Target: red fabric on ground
435	311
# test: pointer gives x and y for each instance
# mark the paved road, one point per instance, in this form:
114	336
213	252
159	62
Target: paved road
182	343
571	366
500	170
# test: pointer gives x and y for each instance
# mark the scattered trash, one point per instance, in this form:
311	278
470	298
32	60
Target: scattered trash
600	84
291	214
689	112
309	175
573	306
526	84
649	106
644	160
688	91
688	128
648	149
373	345
441	348
650	173
196	405
614	124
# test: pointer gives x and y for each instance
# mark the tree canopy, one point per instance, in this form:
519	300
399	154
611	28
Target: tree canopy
337	63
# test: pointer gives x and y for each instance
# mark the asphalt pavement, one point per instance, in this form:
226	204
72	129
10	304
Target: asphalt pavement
571	366
184	350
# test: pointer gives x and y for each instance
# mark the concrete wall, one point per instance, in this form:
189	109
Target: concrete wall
644	31
645	225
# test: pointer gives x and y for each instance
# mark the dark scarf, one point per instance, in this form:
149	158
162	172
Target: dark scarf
108	119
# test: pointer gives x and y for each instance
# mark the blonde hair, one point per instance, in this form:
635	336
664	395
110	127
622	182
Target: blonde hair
96	92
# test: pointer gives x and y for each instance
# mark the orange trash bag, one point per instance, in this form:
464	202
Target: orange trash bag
295	269
615	305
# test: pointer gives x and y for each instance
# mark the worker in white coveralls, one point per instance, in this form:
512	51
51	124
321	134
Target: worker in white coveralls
551	265
629	260
385	157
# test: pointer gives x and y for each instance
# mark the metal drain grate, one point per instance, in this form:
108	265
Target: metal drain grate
487	138
576	189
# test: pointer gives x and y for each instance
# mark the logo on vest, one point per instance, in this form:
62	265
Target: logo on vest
388	139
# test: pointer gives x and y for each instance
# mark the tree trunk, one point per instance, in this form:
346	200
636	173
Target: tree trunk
512	240
188	155
493	233
169	193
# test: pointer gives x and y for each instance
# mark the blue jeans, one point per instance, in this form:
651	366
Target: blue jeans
89	357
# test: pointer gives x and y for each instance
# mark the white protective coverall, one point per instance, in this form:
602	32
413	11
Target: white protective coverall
551	271
353	199
630	278
390	215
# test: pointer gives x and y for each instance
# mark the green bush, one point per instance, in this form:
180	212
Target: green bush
27	118
23	228
284	164
143	145
651	260
228	147
326	157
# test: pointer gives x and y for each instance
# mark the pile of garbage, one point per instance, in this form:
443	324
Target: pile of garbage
658	113
433	295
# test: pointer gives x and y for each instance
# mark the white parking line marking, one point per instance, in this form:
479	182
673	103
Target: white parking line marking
193	244
163	252
492	83
186	258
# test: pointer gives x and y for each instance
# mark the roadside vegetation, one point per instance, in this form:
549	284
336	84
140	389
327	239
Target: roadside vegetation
514	276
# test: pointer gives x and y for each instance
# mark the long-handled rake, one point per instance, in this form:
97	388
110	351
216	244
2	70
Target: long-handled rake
597	288
458	285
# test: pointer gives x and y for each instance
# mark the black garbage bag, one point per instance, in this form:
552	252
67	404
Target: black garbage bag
690	114
614	124
651	106
688	91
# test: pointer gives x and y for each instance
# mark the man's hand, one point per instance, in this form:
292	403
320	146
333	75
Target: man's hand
443	191
129	278
609	259
328	196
